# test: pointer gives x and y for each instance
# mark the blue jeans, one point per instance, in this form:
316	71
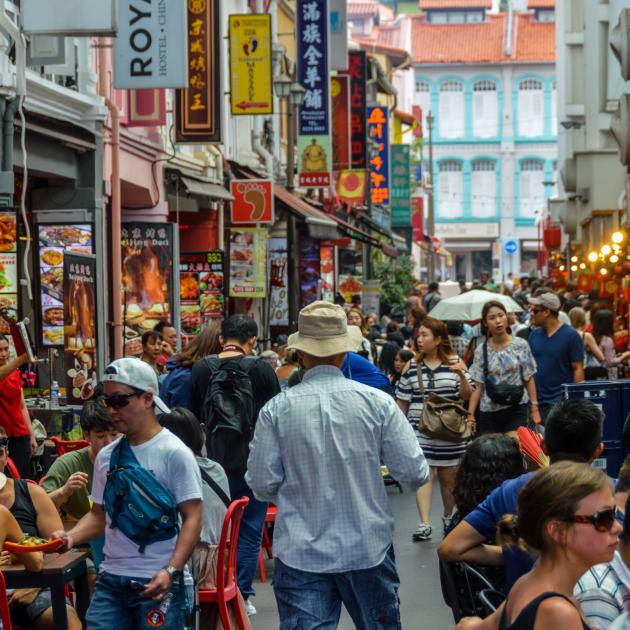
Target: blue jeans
312	601
114	605
250	534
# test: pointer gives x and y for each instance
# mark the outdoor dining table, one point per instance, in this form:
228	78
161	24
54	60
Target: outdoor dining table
59	570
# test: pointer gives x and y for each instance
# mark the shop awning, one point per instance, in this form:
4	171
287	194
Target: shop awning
200	186
319	224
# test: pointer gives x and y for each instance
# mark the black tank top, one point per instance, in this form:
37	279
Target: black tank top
527	617
23	508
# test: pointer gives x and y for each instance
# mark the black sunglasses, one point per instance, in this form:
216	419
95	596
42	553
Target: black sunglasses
118	401
4	443
602	521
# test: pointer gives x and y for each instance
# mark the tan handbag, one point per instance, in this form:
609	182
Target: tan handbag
441	417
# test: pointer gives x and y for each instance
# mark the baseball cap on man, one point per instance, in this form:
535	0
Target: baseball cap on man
547	300
137	374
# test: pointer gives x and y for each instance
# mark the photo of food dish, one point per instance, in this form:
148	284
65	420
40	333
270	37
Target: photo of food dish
53	335
8	313
210	280
242	254
53	316
191	319
212	302
65	235
53	279
8	271
8	231
52	257
242	272
189	286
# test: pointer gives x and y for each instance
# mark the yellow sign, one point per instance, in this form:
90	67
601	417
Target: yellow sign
250	64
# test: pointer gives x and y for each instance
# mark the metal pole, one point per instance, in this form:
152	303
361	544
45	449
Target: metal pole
431	217
292	232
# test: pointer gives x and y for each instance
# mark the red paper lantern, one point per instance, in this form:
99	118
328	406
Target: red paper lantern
552	237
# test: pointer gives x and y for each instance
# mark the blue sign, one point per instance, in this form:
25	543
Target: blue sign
312	66
510	247
378	132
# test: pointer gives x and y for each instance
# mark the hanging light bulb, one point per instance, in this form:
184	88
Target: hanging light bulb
582	265
606	249
593	257
614	259
603	271
574	267
574	259
617	237
562	267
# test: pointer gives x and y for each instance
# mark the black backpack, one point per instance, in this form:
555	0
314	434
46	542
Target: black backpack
228	411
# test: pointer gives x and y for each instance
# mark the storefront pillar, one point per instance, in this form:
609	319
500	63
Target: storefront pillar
294	271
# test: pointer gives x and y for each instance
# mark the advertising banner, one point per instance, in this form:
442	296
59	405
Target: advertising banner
327	272
351	187
357	69
309	271
253	201
146	108
378	131
248	262
401	186
54	242
417	220
79	316
314	146
340	96
148	51
278	273
201	289
8	287
198	107
251	82
147	278
338	11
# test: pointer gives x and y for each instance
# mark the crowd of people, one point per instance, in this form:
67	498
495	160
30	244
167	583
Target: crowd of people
312	426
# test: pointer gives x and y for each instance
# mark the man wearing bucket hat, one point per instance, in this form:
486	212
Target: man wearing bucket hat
317	453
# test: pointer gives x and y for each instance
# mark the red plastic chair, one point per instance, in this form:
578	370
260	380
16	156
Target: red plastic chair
66	446
11	468
4	605
270	517
227	589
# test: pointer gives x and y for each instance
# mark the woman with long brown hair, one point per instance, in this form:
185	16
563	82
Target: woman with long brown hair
442	373
356	318
176	389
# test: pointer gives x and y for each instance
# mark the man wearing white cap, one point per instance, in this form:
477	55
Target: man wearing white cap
316	454
141	578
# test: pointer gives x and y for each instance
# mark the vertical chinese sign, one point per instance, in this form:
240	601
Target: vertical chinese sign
340	95
250	64
198	108
378	131
357	69
314	146
401	186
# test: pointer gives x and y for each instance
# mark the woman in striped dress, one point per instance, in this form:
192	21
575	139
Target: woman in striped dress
445	374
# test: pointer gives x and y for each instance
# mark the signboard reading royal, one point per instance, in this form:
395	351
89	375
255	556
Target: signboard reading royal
68	17
148	51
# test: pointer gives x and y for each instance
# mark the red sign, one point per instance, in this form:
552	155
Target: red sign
417	114
253	201
340	95
147	108
357	69
351	187
417	220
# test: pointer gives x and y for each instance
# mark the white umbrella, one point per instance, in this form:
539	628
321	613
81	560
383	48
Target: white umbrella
467	306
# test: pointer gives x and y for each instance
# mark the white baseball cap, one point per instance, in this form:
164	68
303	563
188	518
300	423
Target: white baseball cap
137	374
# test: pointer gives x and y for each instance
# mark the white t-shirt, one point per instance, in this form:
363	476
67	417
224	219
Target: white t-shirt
174	465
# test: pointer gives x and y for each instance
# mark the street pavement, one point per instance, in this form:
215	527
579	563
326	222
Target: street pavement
421	601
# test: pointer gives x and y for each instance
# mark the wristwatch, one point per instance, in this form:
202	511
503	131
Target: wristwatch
175	574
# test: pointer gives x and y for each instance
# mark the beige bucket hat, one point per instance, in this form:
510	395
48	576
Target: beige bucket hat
323	331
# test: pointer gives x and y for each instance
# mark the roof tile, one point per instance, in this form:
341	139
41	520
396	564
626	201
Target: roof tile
455	4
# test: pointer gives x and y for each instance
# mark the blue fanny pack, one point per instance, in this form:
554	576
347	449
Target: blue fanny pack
136	502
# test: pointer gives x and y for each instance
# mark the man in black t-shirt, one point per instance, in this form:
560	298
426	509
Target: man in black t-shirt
238	337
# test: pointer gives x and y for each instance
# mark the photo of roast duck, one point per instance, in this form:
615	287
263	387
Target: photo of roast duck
143	278
82	311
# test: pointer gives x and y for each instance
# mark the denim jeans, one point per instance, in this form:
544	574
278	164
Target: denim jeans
114	605
309	601
250	534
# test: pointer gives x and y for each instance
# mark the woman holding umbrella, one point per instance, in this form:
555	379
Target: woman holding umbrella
503	370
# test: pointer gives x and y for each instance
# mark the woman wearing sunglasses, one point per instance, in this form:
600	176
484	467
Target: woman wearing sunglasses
566	514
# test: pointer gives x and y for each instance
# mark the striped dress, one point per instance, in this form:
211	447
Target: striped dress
442	381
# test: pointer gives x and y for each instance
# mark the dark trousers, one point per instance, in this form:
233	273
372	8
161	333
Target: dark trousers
544	410
20	453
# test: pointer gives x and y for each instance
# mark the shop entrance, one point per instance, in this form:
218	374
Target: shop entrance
469	265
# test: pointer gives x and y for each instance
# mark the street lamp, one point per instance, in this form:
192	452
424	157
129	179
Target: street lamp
282	86
297	94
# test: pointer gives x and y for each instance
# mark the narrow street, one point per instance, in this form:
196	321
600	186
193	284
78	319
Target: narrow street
421	601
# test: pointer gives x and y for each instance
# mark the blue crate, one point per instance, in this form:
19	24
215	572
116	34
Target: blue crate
608	396
611	458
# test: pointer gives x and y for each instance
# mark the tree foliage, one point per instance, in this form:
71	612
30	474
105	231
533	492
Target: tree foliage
397	280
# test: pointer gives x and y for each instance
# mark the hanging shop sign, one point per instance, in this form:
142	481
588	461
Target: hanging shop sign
54	242
338	14
314	146
327	272
417	220
198	107
401	186
251	80
253	201
148	51
248	262
68	17
147	108
351	187
278	282
201	289
378	132
340	97
147	278
309	271
357	69
79	316
8	271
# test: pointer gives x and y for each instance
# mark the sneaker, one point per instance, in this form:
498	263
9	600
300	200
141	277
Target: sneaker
250	609
423	532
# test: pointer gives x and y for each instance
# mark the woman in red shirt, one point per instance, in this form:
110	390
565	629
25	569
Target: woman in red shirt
14	416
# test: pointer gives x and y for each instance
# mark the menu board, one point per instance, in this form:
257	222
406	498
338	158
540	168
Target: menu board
201	289
79	309
8	271
248	262
53	240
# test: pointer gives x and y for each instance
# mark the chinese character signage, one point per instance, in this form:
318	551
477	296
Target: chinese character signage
198	107
248	262
79	316
147	108
378	131
148	50
201	289
357	69
314	146
54	241
147	276
401	186
250	64
253	201
340	96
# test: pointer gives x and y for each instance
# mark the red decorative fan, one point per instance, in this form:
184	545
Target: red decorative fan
531	447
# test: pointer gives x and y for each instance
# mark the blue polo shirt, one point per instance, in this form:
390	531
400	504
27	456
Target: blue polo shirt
554	356
359	369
